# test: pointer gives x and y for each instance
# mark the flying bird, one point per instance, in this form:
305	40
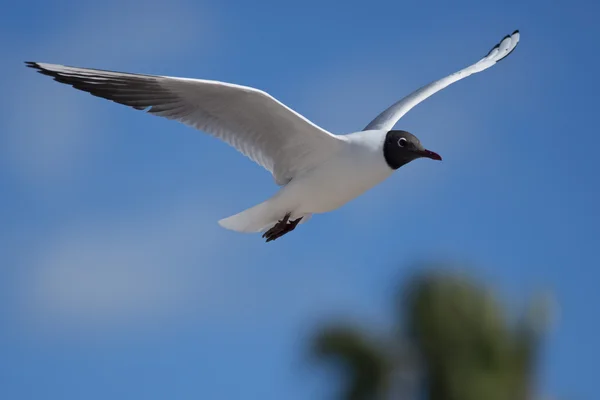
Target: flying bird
318	171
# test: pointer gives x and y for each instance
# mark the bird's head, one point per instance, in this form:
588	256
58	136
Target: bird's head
401	147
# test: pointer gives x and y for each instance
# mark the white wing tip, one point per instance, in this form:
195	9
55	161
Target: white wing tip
506	46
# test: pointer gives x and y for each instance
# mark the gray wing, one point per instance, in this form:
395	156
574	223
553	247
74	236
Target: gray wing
256	124
387	119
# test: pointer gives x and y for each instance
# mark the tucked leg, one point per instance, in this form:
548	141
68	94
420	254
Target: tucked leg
281	228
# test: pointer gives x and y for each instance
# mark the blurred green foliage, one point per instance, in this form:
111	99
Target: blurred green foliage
452	333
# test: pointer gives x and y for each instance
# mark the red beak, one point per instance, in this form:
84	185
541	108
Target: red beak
431	154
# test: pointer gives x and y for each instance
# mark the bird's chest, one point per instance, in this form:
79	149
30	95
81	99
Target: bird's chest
342	179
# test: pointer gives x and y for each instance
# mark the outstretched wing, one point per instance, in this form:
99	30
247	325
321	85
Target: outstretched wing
387	119
252	121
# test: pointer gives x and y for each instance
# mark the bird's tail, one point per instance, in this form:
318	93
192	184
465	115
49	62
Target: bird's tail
255	219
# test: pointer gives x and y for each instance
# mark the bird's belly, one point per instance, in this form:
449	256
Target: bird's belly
329	188
333	196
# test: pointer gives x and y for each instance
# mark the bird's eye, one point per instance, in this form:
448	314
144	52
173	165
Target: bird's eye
402	142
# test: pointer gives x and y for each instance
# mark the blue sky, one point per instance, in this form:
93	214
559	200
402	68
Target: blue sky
116	279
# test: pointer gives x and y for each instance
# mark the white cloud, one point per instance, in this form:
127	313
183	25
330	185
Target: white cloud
168	266
132	270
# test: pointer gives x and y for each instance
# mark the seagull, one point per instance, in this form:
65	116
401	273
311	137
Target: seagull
317	171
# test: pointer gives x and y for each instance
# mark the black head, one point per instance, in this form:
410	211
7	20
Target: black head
401	147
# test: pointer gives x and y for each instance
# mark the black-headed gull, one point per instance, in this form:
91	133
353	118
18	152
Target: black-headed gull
318	171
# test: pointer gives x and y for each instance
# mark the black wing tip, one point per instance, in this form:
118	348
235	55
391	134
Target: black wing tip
512	34
513	49
33	64
498	45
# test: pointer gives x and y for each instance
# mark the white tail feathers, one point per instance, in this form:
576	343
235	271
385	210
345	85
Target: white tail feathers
255	219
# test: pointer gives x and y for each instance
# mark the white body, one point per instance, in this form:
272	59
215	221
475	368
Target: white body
357	166
318	170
